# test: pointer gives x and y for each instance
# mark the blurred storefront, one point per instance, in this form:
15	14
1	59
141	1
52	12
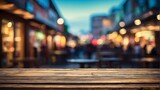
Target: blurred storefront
27	27
138	20
145	25
12	38
59	55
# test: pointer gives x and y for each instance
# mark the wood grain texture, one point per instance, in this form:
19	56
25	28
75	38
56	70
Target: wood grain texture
48	79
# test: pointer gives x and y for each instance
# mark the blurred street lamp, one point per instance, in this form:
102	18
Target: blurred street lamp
136	39
100	42
158	17
125	41
122	31
60	41
137	22
9	24
60	21
121	24
71	43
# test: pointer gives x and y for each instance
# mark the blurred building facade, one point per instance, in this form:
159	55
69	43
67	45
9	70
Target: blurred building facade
138	20
132	22
100	24
28	27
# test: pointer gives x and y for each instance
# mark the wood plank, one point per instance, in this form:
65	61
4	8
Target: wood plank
78	72
86	81
79	78
80	86
92	77
86	69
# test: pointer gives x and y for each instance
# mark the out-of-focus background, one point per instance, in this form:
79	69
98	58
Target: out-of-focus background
79	33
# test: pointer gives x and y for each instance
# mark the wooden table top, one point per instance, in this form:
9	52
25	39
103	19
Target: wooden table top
79	78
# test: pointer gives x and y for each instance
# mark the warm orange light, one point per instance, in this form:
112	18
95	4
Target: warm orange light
138	34
134	30
60	21
12	49
57	39
107	22
122	31
158	17
19	12
154	28
63	41
17	39
6	6
8	38
26	15
119	38
60	41
71	43
121	24
49	41
136	39
100	42
49	38
125	41
114	34
137	22
9	24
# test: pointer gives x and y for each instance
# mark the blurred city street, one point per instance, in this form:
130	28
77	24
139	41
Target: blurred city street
79	44
80	33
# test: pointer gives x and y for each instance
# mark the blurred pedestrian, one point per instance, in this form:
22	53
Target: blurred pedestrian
137	50
43	53
90	50
35	49
154	51
72	52
150	50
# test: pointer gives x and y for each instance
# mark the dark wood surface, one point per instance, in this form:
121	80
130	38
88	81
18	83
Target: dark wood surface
88	79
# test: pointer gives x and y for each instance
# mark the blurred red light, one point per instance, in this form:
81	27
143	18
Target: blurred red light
94	42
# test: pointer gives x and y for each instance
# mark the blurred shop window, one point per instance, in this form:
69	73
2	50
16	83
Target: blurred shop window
44	3
19	39
35	41
49	42
12	42
60	41
7	42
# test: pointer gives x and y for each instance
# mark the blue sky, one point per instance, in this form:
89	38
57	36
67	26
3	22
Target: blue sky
77	13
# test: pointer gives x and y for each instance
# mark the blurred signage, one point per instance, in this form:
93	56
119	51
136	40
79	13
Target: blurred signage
48	17
19	3
52	16
30	7
44	3
107	22
39	12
